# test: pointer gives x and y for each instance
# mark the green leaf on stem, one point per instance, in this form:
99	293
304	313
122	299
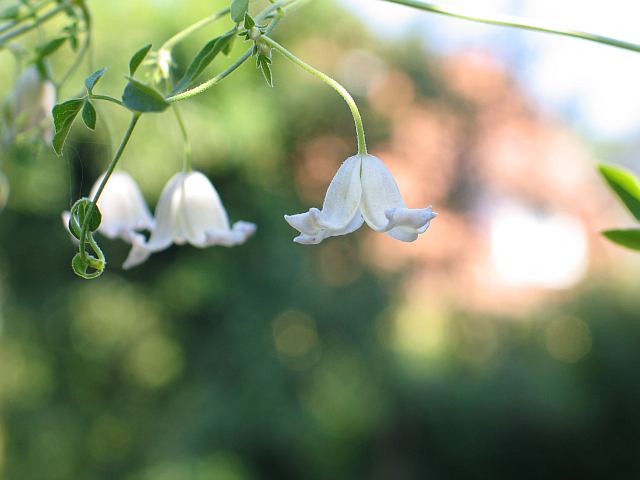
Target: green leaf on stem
238	10
264	64
249	22
627	238
91	81
137	58
203	58
50	47
139	97
63	116
89	115
625	185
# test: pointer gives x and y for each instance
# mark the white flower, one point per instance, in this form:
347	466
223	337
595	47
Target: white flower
363	190
190	211
33	100
124	211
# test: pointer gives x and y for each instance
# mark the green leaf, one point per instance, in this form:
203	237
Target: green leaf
627	238
78	217
91	81
625	185
238	10
63	116
89	115
50	47
142	98
137	58
265	65
249	22
203	58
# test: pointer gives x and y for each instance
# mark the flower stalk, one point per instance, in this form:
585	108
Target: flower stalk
517	22
357	118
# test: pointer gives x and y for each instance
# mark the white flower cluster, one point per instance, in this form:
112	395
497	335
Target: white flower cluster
190	211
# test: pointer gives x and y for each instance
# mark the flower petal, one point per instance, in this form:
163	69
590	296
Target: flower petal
382	205
122	206
339	214
407	223
237	235
313	238
139	251
168	228
201	210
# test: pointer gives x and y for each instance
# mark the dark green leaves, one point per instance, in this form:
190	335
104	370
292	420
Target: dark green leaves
142	98
89	116
93	79
63	116
627	238
625	185
238	10
137	58
203	58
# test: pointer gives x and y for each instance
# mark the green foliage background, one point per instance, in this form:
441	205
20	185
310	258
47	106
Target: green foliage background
173	371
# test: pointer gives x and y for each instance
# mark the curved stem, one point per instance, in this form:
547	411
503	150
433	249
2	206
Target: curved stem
181	35
513	21
186	161
123	144
37	22
362	145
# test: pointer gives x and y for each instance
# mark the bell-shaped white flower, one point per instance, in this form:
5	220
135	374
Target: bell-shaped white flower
190	211
363	190
124	211
33	99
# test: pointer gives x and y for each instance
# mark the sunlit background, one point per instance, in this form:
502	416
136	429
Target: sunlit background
503	343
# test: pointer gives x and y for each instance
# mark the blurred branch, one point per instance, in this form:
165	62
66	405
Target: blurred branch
517	22
38	21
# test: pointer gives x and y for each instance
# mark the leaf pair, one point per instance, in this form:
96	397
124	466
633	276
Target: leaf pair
627	187
65	113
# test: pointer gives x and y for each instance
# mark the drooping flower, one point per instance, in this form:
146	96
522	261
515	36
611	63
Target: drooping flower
33	100
124	211
190	211
363	190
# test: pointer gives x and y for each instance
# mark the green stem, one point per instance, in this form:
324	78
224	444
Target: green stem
37	22
123	144
32	14
86	16
181	35
362	145
513	21
186	161
192	92
106	98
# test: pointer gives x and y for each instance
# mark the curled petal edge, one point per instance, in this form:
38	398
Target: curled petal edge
313	230
406	224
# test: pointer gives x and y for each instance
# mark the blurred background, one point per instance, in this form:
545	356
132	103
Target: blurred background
503	343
